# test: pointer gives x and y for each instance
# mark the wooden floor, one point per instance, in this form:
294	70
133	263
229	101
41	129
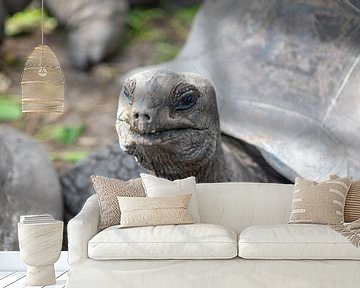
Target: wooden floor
13	270
16	279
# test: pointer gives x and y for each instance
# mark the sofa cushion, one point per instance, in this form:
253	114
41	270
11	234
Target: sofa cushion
300	241
192	241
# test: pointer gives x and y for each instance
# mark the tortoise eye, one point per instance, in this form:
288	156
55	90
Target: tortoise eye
186	101
185	96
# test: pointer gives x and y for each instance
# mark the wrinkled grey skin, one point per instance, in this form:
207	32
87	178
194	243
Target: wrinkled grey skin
170	123
287	76
165	133
28	184
95	27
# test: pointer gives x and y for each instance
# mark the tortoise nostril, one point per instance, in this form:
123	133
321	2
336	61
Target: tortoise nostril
142	117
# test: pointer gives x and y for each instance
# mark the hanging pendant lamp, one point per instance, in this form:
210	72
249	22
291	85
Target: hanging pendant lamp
43	83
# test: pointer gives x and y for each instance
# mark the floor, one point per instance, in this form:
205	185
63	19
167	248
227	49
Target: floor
13	270
16	279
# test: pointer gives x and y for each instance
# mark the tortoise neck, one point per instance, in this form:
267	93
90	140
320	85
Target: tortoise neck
210	168
216	169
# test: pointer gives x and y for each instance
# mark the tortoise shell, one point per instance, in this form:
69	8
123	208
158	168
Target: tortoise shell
287	77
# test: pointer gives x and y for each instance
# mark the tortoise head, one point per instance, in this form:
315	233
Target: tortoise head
169	121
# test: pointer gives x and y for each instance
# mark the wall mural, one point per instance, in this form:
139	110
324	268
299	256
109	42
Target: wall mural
262	91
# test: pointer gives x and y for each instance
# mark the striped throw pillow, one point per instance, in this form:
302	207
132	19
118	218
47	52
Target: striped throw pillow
320	203
352	203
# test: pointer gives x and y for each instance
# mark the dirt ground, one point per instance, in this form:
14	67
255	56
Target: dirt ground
91	97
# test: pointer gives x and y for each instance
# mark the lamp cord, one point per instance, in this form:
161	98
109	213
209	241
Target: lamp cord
42	22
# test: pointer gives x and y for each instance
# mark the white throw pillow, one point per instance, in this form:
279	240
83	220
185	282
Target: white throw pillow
160	187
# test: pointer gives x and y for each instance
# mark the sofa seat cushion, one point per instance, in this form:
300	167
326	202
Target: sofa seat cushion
295	241
192	241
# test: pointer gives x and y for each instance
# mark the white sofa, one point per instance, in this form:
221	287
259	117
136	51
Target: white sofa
253	219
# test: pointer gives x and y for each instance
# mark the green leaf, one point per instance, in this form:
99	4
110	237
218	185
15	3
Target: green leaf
139	18
64	134
27	21
166	51
186	15
165	27
69	135
10	108
69	156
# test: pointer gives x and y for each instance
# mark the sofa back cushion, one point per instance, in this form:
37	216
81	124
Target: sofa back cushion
237	205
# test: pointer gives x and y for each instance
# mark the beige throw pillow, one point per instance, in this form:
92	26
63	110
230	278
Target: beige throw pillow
352	203
139	211
320	203
160	187
107	189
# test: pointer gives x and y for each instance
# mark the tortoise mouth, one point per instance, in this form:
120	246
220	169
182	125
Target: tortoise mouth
155	136
160	136
169	151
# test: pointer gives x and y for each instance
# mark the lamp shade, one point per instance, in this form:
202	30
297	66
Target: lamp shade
43	84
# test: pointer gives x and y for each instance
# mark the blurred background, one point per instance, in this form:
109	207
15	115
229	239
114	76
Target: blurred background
96	43
154	31
286	74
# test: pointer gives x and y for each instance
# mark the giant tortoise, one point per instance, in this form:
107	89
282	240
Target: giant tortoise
286	76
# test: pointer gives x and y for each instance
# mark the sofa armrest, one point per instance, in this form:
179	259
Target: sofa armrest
82	228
